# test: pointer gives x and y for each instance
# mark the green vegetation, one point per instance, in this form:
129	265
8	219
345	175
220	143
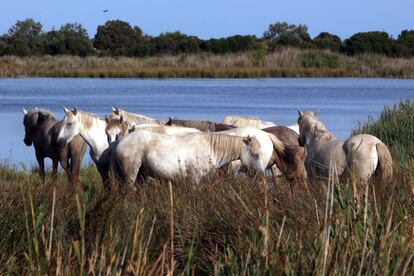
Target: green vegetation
289	62
394	127
119	38
121	50
222	226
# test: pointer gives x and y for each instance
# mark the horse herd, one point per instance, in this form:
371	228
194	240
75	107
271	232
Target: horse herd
132	147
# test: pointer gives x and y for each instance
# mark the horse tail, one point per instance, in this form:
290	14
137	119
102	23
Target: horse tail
384	167
278	145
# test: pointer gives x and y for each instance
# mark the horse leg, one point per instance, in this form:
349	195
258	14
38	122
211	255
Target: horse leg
64	161
55	167
41	162
76	164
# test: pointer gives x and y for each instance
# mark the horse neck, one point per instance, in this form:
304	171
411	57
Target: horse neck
93	132
318	138
225	148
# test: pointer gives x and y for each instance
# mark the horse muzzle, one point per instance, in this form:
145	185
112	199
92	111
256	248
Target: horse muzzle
28	142
61	142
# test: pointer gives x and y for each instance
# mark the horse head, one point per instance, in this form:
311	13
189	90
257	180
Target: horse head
116	129
30	120
70	126
251	155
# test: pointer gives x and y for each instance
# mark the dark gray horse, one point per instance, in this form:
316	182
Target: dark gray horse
41	130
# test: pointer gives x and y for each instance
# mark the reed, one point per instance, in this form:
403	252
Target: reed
284	63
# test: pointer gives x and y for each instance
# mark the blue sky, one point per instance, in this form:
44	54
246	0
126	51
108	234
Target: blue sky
217	18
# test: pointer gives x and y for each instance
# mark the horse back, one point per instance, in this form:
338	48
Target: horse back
285	134
221	127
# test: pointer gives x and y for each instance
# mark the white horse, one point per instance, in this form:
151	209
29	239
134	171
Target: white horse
242	121
132	118
118	128
92	129
275	154
364	154
192	155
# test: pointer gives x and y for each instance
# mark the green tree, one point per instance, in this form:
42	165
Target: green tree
26	38
71	39
284	34
369	42
328	41
117	37
175	43
4	46
404	45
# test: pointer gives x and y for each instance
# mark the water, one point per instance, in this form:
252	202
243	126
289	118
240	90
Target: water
342	102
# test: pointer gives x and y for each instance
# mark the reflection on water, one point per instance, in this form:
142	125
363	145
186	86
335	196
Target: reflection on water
342	102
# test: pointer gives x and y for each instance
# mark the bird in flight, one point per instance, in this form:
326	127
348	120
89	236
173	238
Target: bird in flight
105	10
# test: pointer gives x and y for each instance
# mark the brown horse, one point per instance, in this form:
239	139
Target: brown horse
41	130
206	126
293	159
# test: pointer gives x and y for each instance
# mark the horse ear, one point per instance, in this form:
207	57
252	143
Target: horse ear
75	110
117	111
132	129
24	111
169	123
300	113
65	109
106	119
316	113
113	109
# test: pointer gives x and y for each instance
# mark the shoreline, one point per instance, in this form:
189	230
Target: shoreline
287	63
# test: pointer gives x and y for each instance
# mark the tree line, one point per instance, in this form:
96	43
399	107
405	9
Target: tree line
119	38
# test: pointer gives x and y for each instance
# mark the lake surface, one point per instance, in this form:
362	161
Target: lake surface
342	102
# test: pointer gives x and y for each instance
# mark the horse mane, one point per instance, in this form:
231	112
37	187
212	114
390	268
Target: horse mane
310	122
89	118
42	111
139	117
223	144
200	125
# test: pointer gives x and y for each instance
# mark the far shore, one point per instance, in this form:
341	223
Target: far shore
285	63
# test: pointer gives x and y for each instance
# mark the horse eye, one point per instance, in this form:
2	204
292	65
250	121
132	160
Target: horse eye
69	124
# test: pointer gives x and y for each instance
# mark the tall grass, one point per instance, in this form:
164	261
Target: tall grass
284	63
395	127
221	226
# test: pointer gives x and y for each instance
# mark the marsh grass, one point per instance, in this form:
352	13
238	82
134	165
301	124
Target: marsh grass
221	226
283	63
395	127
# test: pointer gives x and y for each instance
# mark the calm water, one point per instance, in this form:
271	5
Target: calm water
342	102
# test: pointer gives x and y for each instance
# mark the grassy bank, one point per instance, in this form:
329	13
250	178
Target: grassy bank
285	63
222	226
